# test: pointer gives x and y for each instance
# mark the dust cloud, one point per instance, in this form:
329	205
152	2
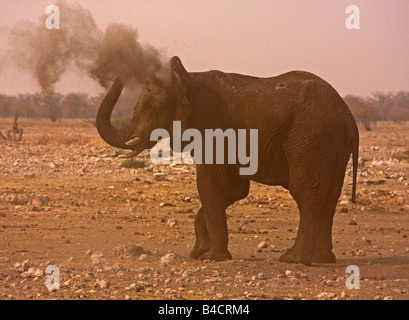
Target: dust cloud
102	55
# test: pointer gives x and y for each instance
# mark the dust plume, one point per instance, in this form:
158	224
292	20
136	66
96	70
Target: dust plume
120	53
102	55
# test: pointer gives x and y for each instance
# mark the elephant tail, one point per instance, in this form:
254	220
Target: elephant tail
355	152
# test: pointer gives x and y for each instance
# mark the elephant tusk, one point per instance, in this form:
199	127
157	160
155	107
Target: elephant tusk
129	155
132	141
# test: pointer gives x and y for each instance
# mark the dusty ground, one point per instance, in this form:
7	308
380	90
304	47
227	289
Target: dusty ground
66	201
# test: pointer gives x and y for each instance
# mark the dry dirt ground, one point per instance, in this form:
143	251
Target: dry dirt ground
119	233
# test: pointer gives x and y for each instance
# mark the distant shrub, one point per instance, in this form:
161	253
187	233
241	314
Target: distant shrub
64	139
133	164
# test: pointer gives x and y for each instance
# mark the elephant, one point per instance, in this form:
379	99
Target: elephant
306	135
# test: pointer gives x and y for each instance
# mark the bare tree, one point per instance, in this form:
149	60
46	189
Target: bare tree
15	134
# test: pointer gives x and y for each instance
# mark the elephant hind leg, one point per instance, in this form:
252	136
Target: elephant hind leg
323	241
308	185
310	204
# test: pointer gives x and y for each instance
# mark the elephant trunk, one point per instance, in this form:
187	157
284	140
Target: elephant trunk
113	136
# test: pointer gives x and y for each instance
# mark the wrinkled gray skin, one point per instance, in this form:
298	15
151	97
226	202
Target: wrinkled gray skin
306	135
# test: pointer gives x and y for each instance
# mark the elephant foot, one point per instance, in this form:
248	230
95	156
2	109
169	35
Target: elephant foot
296	256
216	255
198	250
323	257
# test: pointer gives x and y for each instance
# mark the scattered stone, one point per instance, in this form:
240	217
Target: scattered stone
159	176
289	273
4	260
39	201
173	223
262	245
376	182
400	291
98	259
143	257
23	266
166	204
32	272
168	259
129	252
81	172
14	199
345	202
136	251
219	296
326	295
103	284
262	276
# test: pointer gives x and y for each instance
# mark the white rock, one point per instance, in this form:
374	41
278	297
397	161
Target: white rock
326	295
289	273
143	257
219	296
159	176
98	259
261	276
262	245
173	223
168	259
103	284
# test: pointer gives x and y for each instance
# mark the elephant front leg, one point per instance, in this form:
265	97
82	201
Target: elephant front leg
216	223
218	244
202	243
214	214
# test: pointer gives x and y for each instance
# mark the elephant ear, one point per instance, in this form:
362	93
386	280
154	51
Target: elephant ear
179	76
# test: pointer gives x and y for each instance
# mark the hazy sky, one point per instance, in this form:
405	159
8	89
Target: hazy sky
257	37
